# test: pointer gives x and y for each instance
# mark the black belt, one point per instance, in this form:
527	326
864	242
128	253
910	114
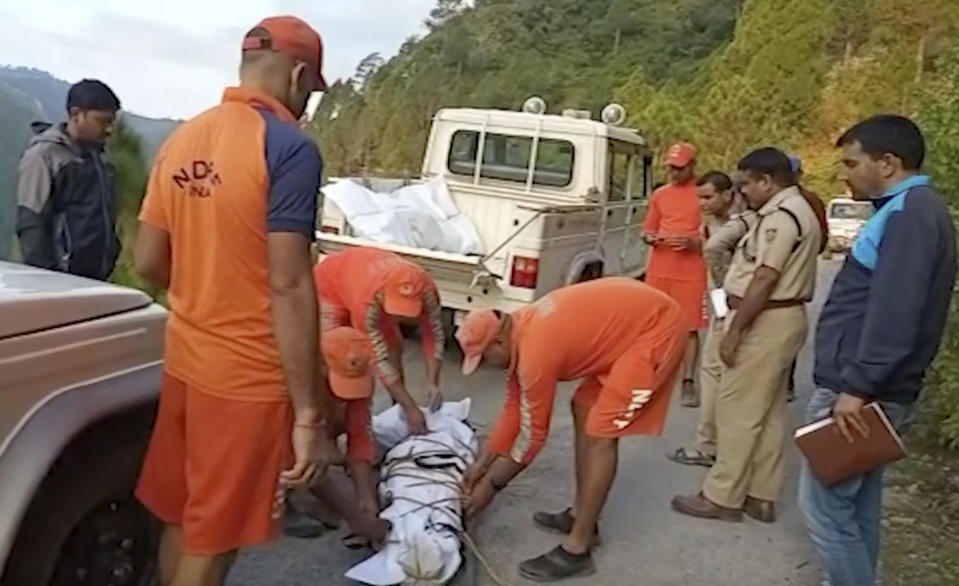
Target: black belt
735	301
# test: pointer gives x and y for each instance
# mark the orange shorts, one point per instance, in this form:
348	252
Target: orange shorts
213	468
633	397
690	295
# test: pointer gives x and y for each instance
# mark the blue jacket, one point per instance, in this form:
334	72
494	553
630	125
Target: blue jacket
883	321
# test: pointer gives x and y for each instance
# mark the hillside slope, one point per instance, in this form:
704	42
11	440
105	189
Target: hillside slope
728	75
497	53
16	112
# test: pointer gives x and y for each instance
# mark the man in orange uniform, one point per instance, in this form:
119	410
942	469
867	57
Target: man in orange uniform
676	265
227	224
626	340
366	288
347	354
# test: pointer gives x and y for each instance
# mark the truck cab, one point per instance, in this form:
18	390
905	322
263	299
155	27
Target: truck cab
80	373
555	198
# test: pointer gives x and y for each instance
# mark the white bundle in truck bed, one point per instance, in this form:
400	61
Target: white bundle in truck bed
418	216
421	481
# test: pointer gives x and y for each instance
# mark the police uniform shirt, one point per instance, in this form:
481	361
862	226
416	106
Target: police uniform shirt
785	238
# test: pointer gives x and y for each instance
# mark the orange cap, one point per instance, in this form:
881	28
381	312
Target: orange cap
476	333
347	354
403	292
292	37
680	154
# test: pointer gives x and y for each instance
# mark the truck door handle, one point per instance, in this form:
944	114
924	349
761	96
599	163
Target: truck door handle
609	213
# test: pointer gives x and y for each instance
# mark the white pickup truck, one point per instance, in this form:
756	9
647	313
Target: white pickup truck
556	199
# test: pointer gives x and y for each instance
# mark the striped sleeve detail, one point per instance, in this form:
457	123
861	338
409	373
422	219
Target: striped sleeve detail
524	439
381	350
537	389
431	326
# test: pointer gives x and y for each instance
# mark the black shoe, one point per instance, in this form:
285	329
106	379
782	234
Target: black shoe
301	526
557	564
561	522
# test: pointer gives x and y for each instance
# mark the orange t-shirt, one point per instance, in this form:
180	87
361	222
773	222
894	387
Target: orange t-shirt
571	333
220	184
674	211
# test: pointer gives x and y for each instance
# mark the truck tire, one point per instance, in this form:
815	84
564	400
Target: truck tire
592	271
84	526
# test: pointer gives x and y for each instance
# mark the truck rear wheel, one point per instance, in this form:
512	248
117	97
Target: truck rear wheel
591	272
84	526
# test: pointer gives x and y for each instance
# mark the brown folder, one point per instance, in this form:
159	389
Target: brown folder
833	459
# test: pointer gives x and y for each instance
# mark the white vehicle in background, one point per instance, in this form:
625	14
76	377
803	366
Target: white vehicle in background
80	373
846	218
555	199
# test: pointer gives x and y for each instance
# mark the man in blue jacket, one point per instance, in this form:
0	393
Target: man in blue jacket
879	330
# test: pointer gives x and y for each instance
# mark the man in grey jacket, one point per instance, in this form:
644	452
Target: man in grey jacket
66	201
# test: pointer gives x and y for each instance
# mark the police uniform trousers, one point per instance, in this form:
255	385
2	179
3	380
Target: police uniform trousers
710	372
751	409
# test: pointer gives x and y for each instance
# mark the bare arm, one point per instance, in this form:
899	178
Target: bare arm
295	318
151	255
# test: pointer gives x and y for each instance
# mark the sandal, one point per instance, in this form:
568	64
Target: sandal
354	541
691	457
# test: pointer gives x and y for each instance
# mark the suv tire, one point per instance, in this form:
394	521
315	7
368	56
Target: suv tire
84	526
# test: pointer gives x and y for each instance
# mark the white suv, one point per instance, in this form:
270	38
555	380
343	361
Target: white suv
80	372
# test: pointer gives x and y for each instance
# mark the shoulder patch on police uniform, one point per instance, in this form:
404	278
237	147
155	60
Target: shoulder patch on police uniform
771	234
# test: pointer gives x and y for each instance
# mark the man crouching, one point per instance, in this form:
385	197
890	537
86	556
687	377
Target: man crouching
347	355
626	340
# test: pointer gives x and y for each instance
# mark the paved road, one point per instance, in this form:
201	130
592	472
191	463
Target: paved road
644	542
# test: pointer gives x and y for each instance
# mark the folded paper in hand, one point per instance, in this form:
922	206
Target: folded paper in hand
717	297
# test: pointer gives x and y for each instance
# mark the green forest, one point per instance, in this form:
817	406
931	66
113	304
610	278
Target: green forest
728	75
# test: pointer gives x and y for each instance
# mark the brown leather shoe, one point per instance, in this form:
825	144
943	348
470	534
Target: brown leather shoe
759	509
697	505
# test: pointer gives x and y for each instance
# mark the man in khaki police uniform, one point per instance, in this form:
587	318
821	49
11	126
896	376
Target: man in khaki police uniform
724	225
772	276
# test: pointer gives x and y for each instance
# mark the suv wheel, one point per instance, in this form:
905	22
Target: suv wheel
84	526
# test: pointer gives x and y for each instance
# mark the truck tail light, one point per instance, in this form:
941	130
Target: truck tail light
525	272
329	230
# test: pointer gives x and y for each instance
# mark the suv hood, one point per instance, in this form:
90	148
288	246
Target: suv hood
33	299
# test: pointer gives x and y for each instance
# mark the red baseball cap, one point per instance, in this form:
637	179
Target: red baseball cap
403	291
680	154
347	353
292	37
477	332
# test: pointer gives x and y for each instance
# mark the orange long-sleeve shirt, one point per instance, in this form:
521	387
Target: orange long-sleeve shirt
353	279
572	333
